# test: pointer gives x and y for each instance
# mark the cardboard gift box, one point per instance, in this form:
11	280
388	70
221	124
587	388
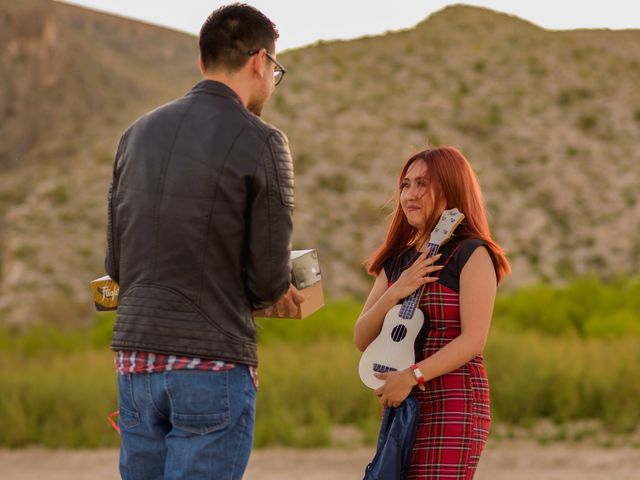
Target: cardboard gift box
105	293
306	277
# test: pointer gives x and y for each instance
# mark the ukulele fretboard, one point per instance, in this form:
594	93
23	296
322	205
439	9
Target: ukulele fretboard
411	302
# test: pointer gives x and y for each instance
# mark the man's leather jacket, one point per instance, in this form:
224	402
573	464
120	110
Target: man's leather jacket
200	220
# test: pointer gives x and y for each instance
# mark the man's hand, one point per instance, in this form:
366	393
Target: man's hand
287	306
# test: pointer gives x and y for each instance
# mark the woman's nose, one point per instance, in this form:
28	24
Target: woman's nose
412	192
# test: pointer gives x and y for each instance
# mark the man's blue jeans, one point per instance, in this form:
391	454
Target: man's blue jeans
186	424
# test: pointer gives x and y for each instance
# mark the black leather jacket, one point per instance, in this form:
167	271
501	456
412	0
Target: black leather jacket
200	220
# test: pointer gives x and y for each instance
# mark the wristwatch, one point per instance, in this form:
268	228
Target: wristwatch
418	374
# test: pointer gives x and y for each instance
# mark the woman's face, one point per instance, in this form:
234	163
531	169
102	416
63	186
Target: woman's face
416	196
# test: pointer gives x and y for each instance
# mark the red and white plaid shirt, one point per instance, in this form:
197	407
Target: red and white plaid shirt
131	361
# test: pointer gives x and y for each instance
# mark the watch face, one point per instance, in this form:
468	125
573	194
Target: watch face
418	373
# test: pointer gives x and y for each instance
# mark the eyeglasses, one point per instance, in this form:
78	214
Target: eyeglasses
279	71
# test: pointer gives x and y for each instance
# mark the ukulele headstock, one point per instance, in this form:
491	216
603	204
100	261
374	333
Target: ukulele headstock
448	222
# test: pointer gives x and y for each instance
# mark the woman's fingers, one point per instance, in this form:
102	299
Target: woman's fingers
426	280
425	271
434	268
422	261
422	275
429	268
430	260
389	403
419	273
422	258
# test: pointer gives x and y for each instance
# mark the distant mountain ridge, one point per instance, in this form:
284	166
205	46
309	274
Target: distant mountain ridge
549	120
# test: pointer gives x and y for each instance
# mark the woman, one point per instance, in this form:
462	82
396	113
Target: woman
457	304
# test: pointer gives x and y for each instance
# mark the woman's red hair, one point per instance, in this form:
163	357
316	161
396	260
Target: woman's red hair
454	185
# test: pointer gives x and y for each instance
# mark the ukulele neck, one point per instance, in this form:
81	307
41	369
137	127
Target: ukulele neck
410	303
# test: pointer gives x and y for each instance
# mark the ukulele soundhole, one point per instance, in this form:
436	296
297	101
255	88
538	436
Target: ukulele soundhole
398	333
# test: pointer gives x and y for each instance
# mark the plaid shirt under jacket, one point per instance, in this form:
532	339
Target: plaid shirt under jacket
135	362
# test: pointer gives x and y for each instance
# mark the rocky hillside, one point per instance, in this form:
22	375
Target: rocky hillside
70	81
550	121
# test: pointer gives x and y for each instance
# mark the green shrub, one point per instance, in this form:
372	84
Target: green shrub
307	388
533	376
335	320
61	400
566	353
586	307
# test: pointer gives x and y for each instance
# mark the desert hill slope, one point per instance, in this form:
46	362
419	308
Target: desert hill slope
71	80
550	121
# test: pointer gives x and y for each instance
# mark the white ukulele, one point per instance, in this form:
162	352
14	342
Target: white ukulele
393	349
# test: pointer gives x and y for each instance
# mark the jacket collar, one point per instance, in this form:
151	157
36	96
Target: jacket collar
216	88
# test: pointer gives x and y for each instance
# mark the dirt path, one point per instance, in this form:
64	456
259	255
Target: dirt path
504	460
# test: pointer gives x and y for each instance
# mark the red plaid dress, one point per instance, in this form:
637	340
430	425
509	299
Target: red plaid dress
454	408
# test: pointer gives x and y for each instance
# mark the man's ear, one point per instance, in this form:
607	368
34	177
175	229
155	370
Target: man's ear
257	62
203	69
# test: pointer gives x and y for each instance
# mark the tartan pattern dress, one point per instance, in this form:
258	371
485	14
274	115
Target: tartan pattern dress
454	408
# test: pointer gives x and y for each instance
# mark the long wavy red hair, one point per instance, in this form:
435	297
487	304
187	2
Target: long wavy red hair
455	185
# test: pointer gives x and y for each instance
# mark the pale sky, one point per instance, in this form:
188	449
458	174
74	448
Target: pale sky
303	22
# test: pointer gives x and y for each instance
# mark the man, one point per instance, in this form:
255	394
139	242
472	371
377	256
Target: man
199	231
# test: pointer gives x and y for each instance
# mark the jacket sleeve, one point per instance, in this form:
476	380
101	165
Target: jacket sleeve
267	267
111	261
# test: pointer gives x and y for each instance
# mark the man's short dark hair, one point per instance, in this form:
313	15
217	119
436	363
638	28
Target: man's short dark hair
233	30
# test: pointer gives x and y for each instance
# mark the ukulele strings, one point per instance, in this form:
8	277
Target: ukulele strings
409	305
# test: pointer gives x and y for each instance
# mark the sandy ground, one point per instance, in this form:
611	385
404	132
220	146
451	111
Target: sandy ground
512	460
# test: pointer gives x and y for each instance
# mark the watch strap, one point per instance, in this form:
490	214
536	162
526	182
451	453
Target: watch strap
418	374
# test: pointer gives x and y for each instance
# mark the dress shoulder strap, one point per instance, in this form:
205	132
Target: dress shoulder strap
455	250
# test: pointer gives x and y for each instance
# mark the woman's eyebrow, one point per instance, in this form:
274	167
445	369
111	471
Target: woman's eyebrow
422	177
